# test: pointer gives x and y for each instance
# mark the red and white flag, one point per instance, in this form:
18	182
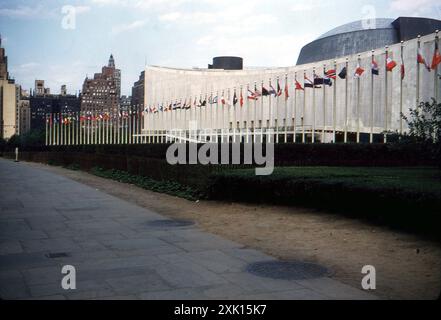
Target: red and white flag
436	60
421	60
299	86
358	71
252	95
241	98
286	90
331	74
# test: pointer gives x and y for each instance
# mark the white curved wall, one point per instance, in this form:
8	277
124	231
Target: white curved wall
315	106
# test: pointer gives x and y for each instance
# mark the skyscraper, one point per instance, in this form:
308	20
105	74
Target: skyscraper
102	93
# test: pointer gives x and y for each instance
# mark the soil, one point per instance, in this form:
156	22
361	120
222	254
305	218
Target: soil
407	266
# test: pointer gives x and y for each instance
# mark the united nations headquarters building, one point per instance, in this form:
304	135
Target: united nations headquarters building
350	84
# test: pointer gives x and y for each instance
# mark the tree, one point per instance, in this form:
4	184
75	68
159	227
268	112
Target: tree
424	122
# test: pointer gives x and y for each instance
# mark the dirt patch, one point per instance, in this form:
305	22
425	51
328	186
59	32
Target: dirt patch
407	267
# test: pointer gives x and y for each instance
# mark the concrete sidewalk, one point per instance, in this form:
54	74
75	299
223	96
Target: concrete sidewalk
48	221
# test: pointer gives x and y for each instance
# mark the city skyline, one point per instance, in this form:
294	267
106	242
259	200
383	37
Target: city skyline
152	31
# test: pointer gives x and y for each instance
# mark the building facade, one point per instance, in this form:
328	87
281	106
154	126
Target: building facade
354	108
125	103
24	112
102	92
138	93
43	104
8	99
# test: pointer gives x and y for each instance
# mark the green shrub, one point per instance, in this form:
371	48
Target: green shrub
168	187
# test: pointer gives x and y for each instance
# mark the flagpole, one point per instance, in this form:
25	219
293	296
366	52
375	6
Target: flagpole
56	119
46	139
248	126
304	109
385	95
255	113
313	105
59	129
346	101
401	87
65	131
69	130
90	132
371	135
95	128
294	119
324	104
87	136
50	129
78	128
418	72
436	70
276	113
269	121
286	110
261	108
334	104
358	103
116	129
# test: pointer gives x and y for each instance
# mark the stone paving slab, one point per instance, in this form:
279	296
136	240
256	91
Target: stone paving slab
48	221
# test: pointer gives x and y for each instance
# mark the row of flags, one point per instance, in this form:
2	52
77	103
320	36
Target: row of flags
82	116
317	82
254	95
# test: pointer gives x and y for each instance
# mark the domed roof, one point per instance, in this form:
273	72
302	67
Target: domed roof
381	23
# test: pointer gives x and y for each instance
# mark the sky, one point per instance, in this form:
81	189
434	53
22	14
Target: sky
62	42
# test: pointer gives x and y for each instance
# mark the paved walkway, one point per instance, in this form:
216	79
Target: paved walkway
117	254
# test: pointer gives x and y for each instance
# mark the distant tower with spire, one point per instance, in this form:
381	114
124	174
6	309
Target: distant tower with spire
102	92
111	62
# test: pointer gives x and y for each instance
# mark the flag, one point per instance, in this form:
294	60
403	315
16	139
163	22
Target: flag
331	74
325	80
358	71
421	60
390	64
308	83
436	60
264	92
241	99
234	99
223	100
252	95
272	90
279	90
299	86
343	73
286	90
317	81
212	100
402	70
375	69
